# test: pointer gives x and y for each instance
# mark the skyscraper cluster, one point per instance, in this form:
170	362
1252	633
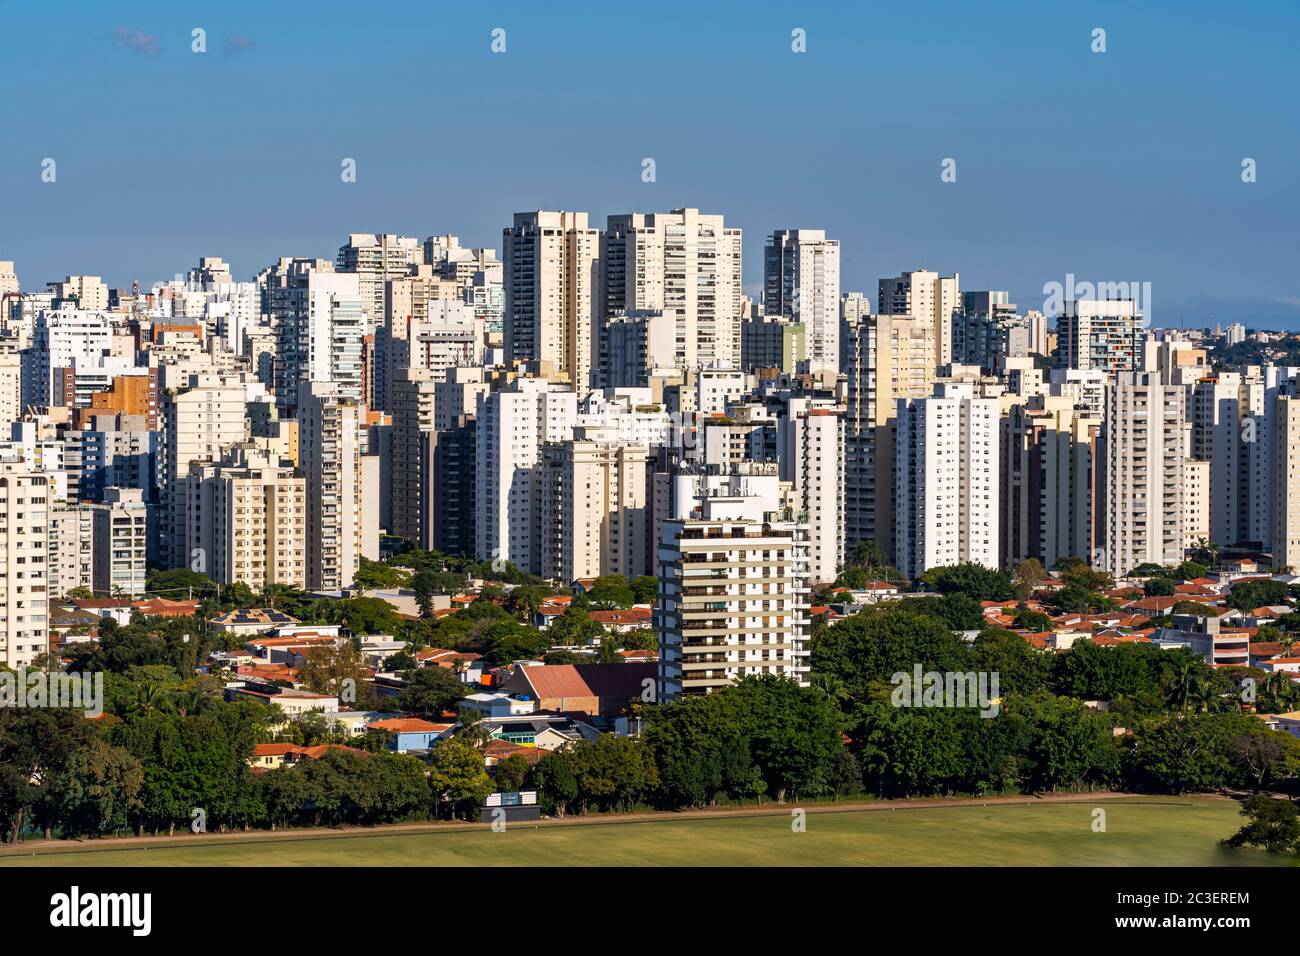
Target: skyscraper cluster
593	400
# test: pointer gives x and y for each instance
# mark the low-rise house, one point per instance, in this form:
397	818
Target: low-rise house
405	734
74	626
161	607
1206	636
293	702
636	618
497	705
274	756
499	750
604	689
357	722
251	621
1287	723
118	609
544	731
469	666
290	650
1281	665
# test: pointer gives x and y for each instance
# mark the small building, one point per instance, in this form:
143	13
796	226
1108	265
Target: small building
592	689
497	705
251	621
405	734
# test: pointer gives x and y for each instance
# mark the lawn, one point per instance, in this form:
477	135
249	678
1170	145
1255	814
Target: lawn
1139	832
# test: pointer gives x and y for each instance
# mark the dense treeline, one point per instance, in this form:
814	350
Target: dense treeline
170	754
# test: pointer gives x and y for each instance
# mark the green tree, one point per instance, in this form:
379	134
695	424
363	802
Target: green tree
511	773
457	778
973	580
1274	825
430	691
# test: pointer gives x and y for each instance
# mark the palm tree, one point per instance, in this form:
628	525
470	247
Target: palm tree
1189	690
1206	552
473	730
832	687
147	697
1279	692
193	701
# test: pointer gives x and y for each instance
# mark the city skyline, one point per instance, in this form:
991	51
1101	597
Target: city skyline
1078	162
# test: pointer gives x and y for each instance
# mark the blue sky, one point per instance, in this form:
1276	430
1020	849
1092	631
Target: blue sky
1119	166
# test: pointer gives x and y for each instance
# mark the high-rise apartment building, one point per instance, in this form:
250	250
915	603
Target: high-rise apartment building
87	293
552	284
684	261
815	453
24	584
413	396
884	358
374	259
1144	441
1101	334
198	423
1048	481
1286	483
595	515
329	446
121	543
253	518
733	588
801	271
925	295
513	425
946	480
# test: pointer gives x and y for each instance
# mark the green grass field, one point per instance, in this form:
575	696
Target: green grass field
1139	832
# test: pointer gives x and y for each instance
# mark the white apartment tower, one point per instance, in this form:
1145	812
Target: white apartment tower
1100	334
801	271
1144	440
121	539
946	484
24	533
733	589
682	261
816	455
1286	483
513	425
329	453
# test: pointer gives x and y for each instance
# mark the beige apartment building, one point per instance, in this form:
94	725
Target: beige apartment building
885	358
925	295
329	445
733	599
198	423
552	284
90	292
70	557
595	511
685	262
253	509
1048	488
